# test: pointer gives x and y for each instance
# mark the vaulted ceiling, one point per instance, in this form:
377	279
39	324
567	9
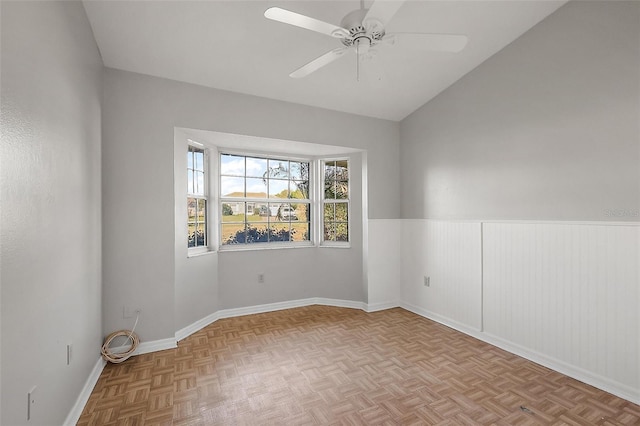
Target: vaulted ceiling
230	45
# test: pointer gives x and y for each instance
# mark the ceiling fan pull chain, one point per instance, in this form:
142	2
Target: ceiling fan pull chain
358	62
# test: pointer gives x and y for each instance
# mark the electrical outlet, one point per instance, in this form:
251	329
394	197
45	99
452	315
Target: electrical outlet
31	402
427	281
69	353
260	278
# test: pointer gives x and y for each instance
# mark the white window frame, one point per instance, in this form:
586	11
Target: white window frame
312	201
321	166
209	246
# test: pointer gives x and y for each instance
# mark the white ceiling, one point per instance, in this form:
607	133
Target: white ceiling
230	45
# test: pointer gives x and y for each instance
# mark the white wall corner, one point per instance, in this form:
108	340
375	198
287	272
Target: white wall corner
381	306
85	393
196	326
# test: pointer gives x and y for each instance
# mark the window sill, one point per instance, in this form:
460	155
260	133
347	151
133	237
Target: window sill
262	246
200	253
336	245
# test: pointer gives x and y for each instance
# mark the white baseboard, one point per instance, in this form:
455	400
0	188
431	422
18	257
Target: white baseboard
148	347
374	307
268	307
607	385
278	306
76	410
155	346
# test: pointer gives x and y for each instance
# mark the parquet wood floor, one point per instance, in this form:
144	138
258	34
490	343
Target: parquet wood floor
320	365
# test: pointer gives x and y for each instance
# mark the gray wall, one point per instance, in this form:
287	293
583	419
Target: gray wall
50	221
547	129
140	263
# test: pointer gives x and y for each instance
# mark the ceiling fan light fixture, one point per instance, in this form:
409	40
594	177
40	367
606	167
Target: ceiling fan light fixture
362	44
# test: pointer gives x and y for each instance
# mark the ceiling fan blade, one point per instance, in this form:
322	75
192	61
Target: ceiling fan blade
302	21
433	42
382	11
318	63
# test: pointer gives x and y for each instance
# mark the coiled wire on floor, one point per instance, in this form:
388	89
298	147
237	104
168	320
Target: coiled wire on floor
118	357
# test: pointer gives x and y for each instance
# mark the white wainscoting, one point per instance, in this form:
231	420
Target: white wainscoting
563	294
449	253
569	292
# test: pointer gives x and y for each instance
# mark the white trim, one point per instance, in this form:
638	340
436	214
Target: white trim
381	306
340	303
85	393
278	306
147	347
268	307
528	221
603	383
196	326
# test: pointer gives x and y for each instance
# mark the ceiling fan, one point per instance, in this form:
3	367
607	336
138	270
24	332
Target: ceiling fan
361	30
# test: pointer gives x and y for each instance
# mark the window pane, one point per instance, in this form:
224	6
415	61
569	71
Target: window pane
300	189
329	212
189	159
232	186
302	211
191	209
232	165
199	160
191	235
233	233
199	183
256	188
299	171
301	231
189	181
342	231
280	232
202	211
262	210
256	233
201	235
342	190
257	167
342	172
287	213
279	169
342	212
329	231
278	188
329	189
329	168
226	210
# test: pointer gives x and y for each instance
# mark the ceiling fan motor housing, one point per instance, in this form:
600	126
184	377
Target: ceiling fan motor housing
361	33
